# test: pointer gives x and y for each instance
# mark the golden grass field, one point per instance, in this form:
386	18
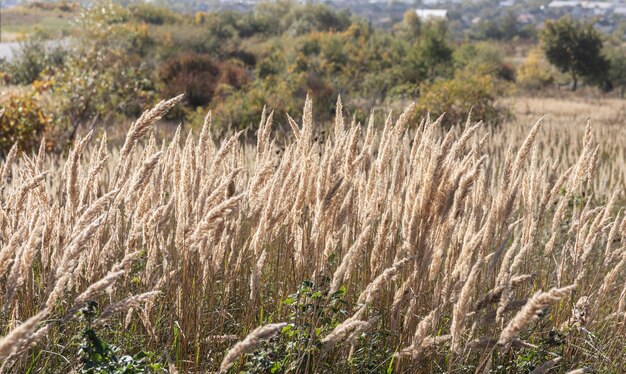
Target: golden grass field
564	123
380	247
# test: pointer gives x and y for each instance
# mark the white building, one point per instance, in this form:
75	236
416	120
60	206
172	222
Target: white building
564	4
583	4
428	14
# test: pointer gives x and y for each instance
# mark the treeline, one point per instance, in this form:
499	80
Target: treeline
125	58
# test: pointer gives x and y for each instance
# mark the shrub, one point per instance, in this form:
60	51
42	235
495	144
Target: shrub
485	57
198	76
314	17
105	75
100	83
242	108
152	14
195	75
535	73
31	59
617	72
457	96
24	121
63	6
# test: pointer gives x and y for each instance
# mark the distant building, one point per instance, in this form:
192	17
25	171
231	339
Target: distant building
428	14
582	4
599	8
597	5
506	3
564	4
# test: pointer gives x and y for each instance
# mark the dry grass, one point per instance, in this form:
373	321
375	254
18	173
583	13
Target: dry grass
604	111
21	21
564	124
441	240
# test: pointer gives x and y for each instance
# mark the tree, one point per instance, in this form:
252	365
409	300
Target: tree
509	26
487	56
431	55
575	48
617	71
409	28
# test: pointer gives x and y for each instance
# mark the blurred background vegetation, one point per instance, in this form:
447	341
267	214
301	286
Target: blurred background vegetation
105	63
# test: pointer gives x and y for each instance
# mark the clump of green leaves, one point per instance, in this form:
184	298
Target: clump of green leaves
97	356
313	314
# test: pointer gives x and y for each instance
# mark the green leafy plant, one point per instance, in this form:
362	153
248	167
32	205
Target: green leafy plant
313	314
98	356
300	348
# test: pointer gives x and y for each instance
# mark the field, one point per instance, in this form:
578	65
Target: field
20	22
380	247
564	123
215	233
